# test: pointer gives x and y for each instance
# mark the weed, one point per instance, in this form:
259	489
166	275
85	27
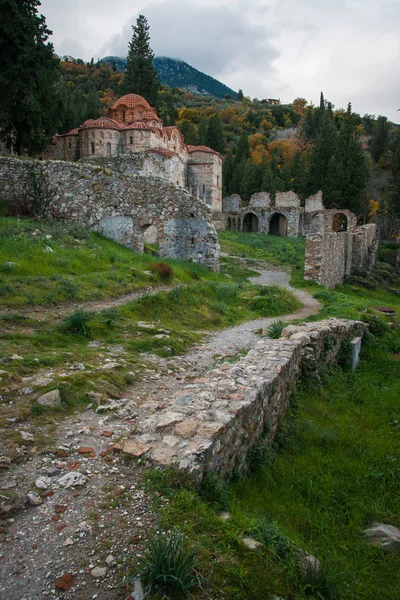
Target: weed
274	330
168	565
78	322
215	489
321	583
164	271
110	317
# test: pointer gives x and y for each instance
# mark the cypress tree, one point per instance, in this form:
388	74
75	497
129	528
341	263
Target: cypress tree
380	138
29	107
322	174
141	76
215	134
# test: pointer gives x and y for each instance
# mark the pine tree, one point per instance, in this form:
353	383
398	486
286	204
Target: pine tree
240	96
322	174
29	106
141	76
215	134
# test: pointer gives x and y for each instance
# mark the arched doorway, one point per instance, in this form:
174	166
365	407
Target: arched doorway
228	224
339	222
278	224
250	223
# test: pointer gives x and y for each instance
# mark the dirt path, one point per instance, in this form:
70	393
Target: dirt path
88	534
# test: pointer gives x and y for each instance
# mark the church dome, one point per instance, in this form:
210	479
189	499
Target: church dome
131	100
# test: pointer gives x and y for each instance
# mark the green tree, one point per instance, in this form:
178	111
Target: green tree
215	134
322	172
240	96
380	138
29	74
141	76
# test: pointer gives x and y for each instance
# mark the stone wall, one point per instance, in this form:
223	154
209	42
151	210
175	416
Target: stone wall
204	171
330	255
112	199
213	422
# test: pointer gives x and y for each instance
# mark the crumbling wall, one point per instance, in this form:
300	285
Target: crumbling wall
212	423
121	205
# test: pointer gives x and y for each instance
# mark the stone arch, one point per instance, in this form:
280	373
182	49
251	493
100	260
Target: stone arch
278	224
250	223
150	235
339	222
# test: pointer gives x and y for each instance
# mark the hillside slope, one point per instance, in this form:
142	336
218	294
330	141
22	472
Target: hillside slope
177	73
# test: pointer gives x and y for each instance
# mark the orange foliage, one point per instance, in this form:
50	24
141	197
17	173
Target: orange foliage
285	149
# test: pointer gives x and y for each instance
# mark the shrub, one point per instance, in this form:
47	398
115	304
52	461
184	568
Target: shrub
274	331
269	534
215	489
163	270
168	565
110	317
78	322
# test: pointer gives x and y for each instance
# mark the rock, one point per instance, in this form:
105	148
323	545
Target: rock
98	572
78	367
34	499
26	436
50	399
111	365
308	562
184	399
53	471
11	265
171	440
95	397
111	561
43	483
5	462
85	527
225	516
169	419
187	428
138	591
48	236
65	582
144	325
385	536
161	336
132	447
251	543
72	479
16	357
9	484
86	450
69	542
48	250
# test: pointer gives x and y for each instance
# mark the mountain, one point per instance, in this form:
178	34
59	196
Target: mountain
177	73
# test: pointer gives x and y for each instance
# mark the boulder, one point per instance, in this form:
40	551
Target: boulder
50	399
72	479
385	536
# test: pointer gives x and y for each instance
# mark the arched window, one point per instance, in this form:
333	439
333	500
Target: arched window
92	147
108	149
123	116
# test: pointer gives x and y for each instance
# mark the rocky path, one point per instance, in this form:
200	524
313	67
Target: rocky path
78	541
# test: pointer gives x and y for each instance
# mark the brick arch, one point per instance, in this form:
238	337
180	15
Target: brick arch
330	214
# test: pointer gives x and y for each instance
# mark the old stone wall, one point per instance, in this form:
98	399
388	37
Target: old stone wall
122	205
212	423
204	171
365	246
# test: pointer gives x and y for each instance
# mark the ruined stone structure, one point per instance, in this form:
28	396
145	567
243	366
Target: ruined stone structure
336	247
283	216
121	199
132	127
212	423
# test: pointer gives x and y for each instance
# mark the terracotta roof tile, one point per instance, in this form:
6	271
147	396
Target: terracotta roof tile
163	152
131	100
101	123
191	149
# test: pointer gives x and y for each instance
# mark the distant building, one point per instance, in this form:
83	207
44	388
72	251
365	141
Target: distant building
133	126
273	101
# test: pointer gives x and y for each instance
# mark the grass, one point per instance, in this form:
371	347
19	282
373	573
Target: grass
83	266
335	470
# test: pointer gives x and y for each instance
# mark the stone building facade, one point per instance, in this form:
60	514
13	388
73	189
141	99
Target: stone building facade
121	199
133	126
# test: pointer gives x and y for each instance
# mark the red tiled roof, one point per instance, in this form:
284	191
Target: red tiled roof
191	149
101	123
72	132
131	100
150	116
163	152
138	125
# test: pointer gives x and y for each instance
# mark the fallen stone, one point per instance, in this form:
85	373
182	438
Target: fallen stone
186	428
78	367
251	543
43	483
86	450
9	484
34	499
50	399
169	419
111	365
95	397
69	542
138	591
98	572
53	472
385	536
111	561
72	479
26	436
107	434
308	562
65	582
16	357
48	250
225	516
132	447
184	399
144	325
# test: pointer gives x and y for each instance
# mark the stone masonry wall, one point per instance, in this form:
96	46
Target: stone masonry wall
121	205
213	422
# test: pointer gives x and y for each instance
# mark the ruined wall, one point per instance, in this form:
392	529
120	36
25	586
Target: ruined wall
204	171
365	246
122	205
212	423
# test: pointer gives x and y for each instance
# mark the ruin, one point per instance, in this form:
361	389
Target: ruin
335	246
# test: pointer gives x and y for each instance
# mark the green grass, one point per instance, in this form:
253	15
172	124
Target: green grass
83	266
335	471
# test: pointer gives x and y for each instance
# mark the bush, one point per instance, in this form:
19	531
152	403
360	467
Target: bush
215	489
163	270
78	322
168	565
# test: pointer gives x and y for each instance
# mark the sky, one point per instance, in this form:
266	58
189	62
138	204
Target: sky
349	49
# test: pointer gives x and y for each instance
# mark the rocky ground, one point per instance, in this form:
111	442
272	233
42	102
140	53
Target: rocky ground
79	538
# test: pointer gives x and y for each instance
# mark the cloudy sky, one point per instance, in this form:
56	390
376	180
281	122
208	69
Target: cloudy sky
349	49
